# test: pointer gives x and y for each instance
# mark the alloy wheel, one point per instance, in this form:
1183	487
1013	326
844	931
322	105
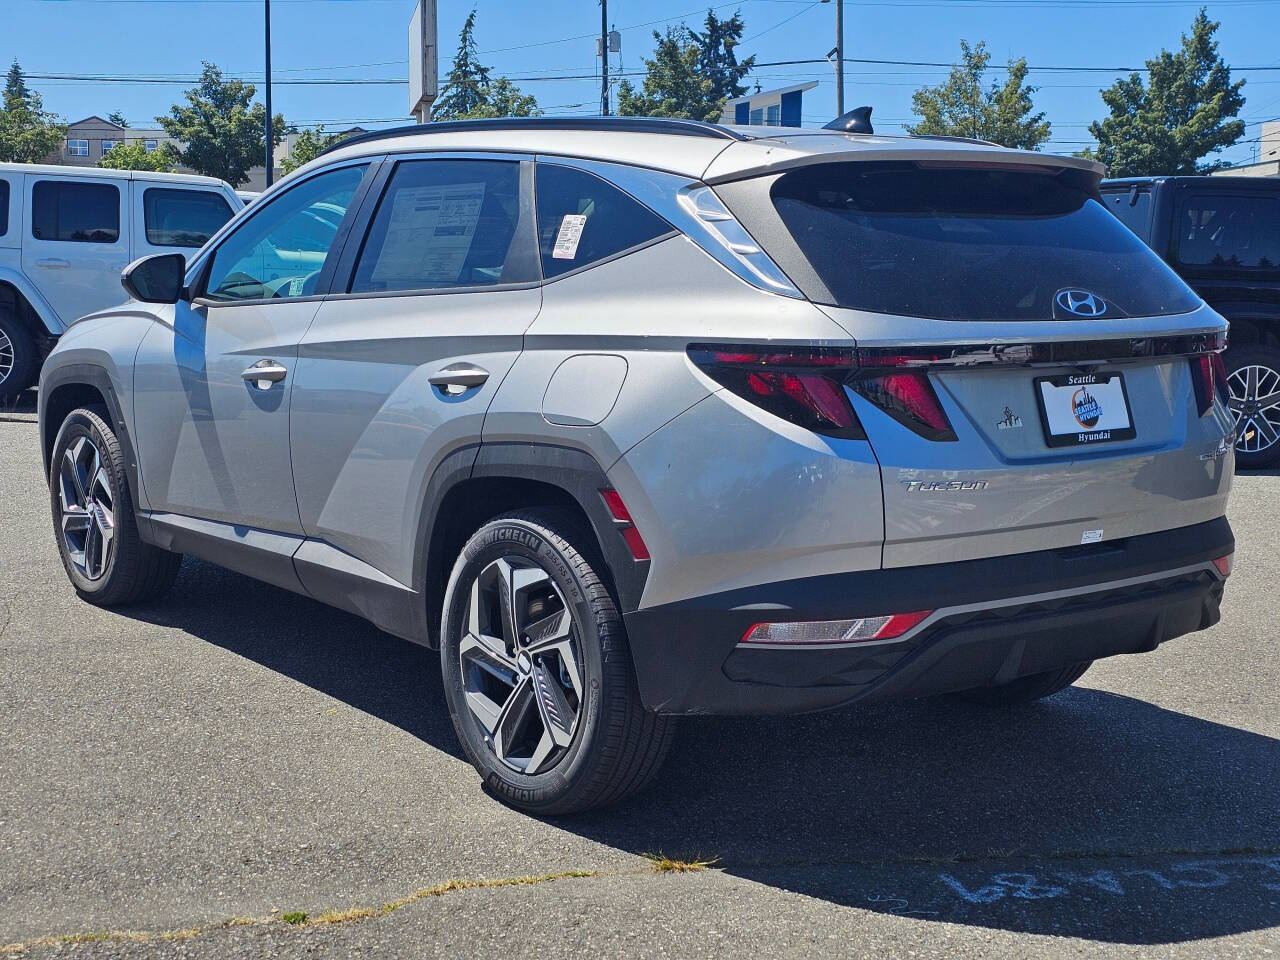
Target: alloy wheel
1255	406
6	356
521	665
87	508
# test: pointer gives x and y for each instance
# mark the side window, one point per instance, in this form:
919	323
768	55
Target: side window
582	219
4	206
182	218
1133	209
1235	232
447	223
278	252
75	212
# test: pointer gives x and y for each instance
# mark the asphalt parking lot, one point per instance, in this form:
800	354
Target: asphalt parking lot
175	779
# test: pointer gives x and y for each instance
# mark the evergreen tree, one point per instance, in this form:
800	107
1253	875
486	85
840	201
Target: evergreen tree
222	131
118	119
674	84
1186	111
962	106
471	93
28	134
717	59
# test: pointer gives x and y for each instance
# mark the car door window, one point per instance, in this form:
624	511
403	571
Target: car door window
1225	231
582	220
73	212
182	218
279	252
444	224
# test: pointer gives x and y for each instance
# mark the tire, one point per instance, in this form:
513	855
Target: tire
1028	689
19	357
1253	369
555	725
93	521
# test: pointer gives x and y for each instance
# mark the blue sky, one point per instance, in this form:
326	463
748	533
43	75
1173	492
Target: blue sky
367	39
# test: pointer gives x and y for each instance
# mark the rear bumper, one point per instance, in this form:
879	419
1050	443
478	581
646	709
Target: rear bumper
998	619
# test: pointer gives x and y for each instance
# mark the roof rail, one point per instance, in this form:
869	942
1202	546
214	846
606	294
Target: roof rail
945	137
685	128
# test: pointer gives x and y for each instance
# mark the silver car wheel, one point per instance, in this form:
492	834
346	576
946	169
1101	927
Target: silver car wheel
87	508
6	356
1255	405
521	664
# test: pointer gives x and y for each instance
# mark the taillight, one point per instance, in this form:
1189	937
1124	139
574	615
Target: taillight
861	630
626	526
802	385
1224	565
1209	376
908	396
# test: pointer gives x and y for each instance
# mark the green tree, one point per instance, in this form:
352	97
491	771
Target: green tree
471	93
674	84
222	132
717	59
307	147
965	106
132	155
1186	111
28	134
116	117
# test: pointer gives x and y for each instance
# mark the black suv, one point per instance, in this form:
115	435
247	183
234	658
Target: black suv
1222	234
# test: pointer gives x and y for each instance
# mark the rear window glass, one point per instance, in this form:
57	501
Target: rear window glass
1132	208
4	206
967	244
182	218
1230	232
75	212
583	220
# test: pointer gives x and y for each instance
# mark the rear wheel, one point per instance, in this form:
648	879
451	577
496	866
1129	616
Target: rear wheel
105	558
19	357
538	673
1253	379
1037	686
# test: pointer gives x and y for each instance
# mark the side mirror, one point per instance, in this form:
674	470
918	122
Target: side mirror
155	279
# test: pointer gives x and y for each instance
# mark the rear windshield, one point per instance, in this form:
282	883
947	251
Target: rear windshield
955	243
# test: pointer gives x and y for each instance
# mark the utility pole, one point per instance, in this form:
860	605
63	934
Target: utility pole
271	160
604	58
840	58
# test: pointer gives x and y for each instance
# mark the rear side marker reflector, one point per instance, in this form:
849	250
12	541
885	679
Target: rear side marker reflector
863	630
1224	565
625	525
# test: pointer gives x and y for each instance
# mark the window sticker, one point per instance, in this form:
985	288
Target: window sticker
430	233
567	238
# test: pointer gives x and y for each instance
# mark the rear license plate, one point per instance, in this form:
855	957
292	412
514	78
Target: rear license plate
1084	408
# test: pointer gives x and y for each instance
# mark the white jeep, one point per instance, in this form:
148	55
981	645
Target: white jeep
66	233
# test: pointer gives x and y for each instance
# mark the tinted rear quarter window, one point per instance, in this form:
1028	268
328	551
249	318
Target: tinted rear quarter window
582	220
963	243
182	218
1232	232
4	206
445	224
75	212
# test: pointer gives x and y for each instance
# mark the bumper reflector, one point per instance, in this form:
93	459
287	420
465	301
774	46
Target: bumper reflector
1224	565
835	631
625	525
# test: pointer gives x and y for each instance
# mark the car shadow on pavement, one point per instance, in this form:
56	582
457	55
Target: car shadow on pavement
1091	815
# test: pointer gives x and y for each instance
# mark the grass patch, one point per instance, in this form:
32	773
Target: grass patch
295	917
661	863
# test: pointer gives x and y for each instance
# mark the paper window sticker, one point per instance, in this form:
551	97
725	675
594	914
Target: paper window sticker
568	237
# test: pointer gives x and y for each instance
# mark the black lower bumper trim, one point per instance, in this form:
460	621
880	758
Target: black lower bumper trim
688	659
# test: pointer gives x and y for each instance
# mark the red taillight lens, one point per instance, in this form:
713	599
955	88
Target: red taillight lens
802	385
909	398
1208	376
626	526
1224	565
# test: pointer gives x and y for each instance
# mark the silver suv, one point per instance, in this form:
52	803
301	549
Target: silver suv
638	418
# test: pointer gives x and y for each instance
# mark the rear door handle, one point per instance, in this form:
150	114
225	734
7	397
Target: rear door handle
53	263
264	373
457	378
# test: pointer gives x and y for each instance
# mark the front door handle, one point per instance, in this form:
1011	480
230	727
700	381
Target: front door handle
264	373
54	263
457	378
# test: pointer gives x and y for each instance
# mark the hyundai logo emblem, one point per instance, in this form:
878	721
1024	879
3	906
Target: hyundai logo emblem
1082	303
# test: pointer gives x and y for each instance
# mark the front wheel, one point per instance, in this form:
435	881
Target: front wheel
1253	380
538	673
